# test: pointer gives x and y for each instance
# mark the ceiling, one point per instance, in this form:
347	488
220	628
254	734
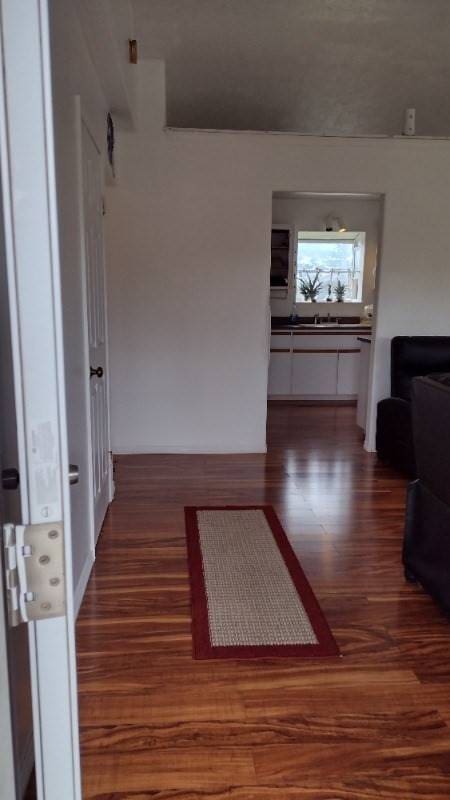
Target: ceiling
314	66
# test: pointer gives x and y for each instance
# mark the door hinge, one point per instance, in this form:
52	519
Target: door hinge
34	571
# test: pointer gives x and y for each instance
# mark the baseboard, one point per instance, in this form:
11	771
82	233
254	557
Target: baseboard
313	400
82	582
159	449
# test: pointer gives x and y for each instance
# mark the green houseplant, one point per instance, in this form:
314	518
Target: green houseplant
310	287
339	291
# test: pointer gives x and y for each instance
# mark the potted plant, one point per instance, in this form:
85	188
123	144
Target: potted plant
310	287
339	291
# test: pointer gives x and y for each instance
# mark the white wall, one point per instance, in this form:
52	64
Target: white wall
308	214
188	253
315	66
107	27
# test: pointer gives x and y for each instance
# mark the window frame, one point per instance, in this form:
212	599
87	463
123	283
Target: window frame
317	237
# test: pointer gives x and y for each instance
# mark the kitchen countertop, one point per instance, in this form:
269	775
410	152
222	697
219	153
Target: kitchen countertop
310	328
306	325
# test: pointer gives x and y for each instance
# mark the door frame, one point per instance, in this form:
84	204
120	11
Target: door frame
81	119
27	154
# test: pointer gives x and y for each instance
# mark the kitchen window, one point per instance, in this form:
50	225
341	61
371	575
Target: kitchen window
329	266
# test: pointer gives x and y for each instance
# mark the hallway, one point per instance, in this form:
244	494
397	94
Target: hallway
156	724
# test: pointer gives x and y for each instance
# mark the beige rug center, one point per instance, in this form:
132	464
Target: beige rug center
251	597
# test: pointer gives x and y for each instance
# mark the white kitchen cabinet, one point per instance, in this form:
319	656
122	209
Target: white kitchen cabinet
314	373
280	341
325	341
309	365
364	370
348	373
280	373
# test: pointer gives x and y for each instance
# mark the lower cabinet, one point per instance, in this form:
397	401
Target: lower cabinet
314	373
280	372
348	373
314	366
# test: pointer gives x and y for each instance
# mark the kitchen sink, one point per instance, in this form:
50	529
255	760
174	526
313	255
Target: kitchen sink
318	325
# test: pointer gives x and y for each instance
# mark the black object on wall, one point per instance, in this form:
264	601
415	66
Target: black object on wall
280	254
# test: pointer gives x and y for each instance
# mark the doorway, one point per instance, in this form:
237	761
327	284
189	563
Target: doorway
324	256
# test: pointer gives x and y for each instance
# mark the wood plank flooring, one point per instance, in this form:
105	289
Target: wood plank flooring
372	724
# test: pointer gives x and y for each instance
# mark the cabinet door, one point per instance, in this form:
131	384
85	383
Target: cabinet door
314	373
279	372
348	373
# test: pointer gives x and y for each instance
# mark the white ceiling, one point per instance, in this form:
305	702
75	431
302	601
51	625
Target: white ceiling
315	66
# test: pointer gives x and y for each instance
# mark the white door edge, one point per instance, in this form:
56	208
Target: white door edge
78	131
81	120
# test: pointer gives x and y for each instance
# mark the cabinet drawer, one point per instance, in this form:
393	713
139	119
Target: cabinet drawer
325	341
349	342
315	341
280	341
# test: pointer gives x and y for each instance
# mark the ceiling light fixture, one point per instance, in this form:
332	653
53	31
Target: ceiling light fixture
334	224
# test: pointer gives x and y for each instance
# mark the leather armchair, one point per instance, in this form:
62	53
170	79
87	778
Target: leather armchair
426	550
411	356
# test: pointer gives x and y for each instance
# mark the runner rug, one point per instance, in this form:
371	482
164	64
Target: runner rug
250	597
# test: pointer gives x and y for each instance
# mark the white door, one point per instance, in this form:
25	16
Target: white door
35	314
16	726
97	325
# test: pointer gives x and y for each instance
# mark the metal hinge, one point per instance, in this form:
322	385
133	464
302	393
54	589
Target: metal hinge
34	567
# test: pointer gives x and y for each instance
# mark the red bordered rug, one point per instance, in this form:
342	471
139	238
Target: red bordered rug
249	595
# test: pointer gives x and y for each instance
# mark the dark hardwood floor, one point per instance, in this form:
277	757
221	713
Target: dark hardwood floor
372	724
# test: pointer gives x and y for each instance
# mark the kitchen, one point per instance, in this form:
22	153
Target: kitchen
324	251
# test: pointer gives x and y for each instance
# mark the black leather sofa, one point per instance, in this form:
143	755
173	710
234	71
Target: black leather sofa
411	356
426	550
